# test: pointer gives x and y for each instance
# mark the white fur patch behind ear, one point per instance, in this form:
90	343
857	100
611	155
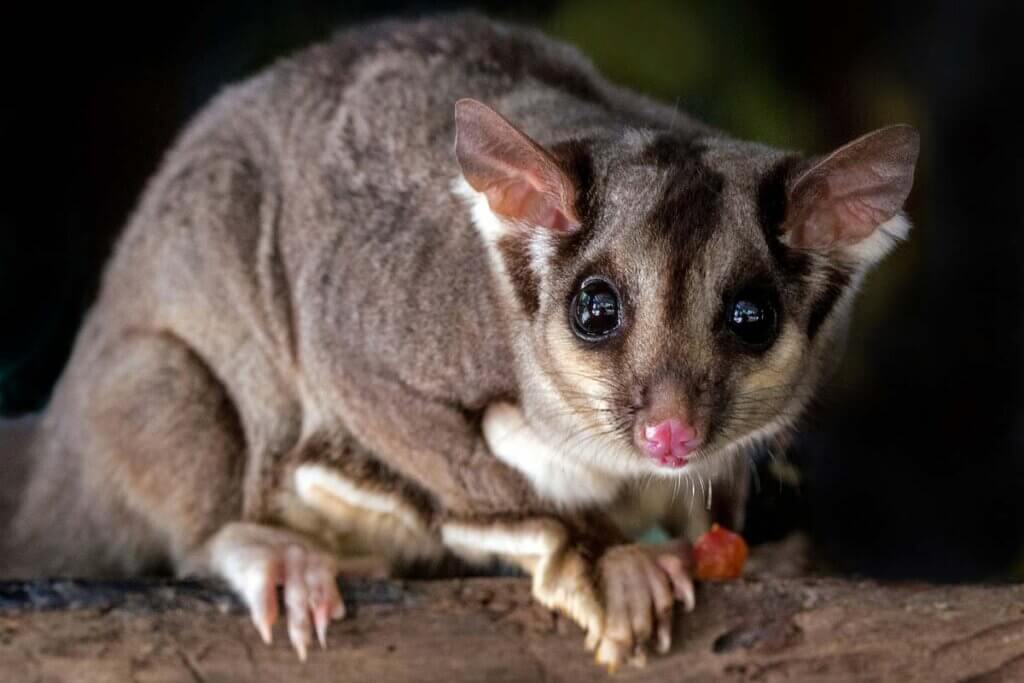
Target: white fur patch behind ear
492	227
487	223
868	252
542	249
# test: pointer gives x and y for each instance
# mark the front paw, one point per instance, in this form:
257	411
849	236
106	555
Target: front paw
624	602
639	586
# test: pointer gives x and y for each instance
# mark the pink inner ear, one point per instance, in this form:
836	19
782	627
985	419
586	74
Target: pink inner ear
836	219
520	200
845	197
520	179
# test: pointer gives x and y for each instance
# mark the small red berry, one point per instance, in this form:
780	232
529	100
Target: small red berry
719	554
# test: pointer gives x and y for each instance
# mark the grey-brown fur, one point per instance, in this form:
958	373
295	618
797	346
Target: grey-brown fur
299	273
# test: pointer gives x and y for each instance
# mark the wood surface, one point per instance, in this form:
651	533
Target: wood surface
765	627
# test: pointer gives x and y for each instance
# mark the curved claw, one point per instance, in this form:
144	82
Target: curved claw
255	560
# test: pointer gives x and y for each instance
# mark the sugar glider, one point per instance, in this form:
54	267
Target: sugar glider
437	286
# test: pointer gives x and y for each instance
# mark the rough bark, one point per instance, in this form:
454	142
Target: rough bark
762	628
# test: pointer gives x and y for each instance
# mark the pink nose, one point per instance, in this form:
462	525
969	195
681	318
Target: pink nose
670	442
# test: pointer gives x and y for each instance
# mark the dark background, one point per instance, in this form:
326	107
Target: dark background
912	463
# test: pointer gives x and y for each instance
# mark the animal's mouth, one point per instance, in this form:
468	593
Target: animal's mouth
673	462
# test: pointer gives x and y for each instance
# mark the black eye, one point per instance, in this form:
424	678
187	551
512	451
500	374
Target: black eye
753	318
595	310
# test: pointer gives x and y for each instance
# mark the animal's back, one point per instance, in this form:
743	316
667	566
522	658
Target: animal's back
345	147
348	139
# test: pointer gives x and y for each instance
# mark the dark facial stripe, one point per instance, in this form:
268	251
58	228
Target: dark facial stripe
670	150
515	251
579	164
771	212
689	209
576	160
837	281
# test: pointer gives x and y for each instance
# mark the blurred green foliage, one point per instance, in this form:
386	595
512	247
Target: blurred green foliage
703	56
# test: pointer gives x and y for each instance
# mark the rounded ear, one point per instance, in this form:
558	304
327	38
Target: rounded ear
521	180
842	199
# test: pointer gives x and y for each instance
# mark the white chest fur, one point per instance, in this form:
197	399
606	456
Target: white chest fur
565	481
